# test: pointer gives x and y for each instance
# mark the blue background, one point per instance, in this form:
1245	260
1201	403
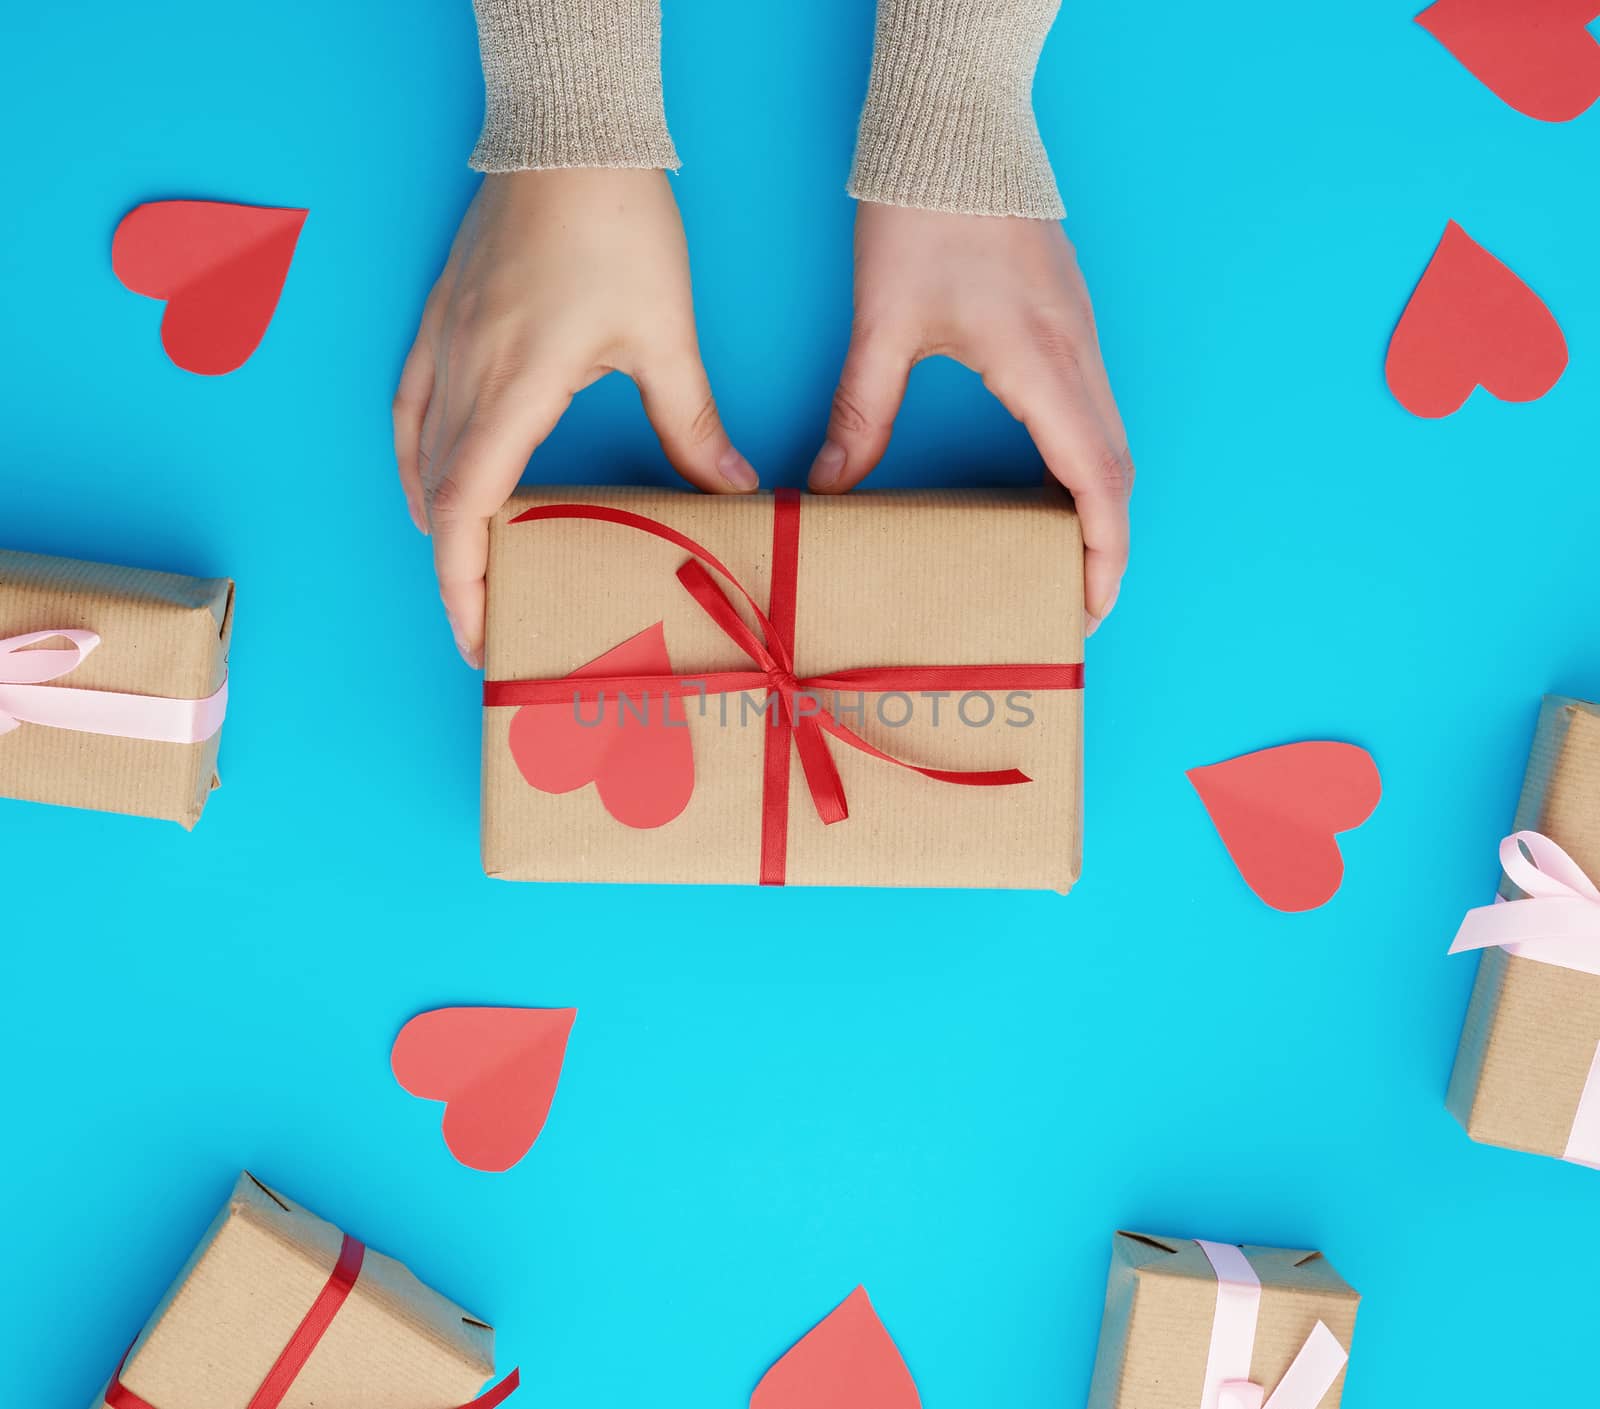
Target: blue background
773	1096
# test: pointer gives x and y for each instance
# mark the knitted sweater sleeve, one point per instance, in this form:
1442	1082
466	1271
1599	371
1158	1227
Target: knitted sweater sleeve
571	83
948	122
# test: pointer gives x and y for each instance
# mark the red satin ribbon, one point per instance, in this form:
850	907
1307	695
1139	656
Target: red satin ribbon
286	1368
772	652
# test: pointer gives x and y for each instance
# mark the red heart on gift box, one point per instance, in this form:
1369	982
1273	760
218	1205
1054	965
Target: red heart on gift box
220	268
1279	812
1537	55
636	751
847	1362
495	1069
1471	323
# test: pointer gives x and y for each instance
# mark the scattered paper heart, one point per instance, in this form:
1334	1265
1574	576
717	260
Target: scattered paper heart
495	1069
1471	323
636	753
1279	812
219	267
1537	55
847	1362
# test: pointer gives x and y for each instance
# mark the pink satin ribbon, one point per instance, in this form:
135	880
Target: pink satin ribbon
1559	924
27	698
1233	1338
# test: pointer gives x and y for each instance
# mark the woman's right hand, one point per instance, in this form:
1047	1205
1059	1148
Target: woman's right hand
555	279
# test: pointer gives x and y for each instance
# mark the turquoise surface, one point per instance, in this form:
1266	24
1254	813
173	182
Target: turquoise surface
772	1096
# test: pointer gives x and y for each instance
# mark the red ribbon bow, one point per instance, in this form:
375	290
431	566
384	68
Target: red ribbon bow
772	652
286	1368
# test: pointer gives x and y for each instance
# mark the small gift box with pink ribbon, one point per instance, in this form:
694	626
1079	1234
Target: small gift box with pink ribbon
871	689
277	1309
1527	1072
1200	1325
113	685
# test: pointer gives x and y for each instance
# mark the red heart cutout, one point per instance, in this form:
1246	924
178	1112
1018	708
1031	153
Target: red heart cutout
1472	323
847	1362
642	767
495	1069
220	268
1279	811
1537	55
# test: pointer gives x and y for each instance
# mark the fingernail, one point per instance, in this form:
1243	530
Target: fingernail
1093	622
828	466
734	468
467	653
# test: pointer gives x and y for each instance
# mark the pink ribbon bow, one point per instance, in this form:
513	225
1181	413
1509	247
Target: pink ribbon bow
1233	1338
1559	924
26	697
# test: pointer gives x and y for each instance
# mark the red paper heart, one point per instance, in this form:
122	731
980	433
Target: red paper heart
1537	55
1472	323
642	768
220	268
1280	810
495	1069
848	1362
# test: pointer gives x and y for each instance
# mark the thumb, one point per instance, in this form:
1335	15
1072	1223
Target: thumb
871	388
677	399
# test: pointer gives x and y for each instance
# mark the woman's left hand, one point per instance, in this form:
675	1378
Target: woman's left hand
1005	297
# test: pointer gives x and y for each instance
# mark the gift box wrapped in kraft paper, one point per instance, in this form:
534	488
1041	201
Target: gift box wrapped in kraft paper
871	689
1527	1072
278	1310
1198	1325
113	685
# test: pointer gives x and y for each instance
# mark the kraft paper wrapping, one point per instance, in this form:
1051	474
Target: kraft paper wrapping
161	634
1160	1302
953	577
394	1344
1531	1030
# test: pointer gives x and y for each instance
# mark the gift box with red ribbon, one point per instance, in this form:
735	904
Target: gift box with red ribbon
873	689
277	1309
1198	1325
113	685
1527	1071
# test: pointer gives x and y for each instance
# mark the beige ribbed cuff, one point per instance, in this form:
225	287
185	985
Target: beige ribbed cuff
571	83
949	121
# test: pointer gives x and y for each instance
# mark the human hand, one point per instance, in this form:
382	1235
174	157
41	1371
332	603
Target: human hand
555	279
1004	297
